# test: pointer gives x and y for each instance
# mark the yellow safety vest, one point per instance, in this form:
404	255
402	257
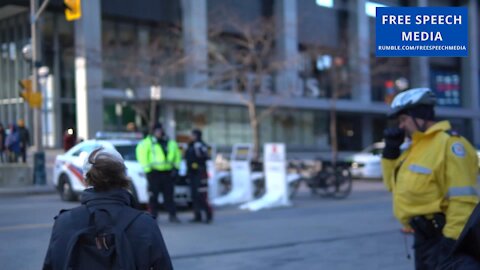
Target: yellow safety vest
436	173
151	156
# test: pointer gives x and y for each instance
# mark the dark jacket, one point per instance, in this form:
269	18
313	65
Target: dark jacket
3	136
12	141
24	137
196	157
144	235
466	253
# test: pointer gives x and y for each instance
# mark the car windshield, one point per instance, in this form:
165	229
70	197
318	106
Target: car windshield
374	149
127	152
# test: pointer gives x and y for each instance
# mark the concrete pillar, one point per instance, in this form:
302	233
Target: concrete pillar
470	69
419	66
170	123
195	40
58	132
145	54
287	45
88	70
367	131
419	72
3	94
359	51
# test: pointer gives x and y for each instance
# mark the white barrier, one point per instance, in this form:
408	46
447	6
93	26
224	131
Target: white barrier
276	194
241	177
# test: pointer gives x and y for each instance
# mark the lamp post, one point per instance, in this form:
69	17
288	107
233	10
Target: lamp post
30	52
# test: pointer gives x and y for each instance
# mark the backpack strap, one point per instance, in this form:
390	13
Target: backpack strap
126	256
126	217
80	216
81	219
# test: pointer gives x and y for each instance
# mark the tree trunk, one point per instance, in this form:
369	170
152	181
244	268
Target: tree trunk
252	113
153	114
333	117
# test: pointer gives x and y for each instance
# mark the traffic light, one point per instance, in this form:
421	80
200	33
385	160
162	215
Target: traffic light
73	9
34	99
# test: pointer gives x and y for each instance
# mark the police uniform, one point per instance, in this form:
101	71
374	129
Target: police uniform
433	180
434	176
160	159
196	157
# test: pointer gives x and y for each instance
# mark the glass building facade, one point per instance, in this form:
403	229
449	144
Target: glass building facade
149	44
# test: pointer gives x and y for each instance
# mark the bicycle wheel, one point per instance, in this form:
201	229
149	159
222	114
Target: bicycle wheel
343	183
293	187
325	182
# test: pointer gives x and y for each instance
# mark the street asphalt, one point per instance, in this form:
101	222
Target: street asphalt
315	233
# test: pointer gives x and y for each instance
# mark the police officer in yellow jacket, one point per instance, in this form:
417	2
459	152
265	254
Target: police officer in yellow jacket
432	180
160	158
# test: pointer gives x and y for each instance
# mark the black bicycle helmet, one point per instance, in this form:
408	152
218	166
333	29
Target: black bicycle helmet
411	98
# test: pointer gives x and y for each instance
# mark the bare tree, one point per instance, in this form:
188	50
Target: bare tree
157	60
244	61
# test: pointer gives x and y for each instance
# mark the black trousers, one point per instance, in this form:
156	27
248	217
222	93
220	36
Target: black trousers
426	252
23	153
198	188
161	181
431	247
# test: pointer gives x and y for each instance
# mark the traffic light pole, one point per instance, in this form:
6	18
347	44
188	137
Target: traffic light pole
39	176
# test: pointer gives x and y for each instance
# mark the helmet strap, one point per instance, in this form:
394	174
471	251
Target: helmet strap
421	128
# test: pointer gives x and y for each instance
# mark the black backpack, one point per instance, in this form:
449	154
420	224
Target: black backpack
101	242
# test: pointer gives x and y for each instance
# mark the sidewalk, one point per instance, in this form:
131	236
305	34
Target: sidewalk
50	155
28	190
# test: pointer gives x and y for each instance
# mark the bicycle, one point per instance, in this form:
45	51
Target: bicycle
322	178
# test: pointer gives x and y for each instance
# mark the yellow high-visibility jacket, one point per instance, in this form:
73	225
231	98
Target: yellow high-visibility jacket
151	156
436	173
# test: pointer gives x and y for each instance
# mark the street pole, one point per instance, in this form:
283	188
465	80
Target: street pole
39	156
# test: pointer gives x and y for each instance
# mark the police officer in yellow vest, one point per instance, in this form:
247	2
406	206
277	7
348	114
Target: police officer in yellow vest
160	158
432	180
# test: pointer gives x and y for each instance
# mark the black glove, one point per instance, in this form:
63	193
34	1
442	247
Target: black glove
394	137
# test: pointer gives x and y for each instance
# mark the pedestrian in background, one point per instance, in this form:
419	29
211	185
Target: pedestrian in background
3	136
69	139
12	143
196	157
433	180
131	127
24	138
106	232
160	158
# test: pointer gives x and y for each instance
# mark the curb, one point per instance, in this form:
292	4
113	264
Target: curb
28	190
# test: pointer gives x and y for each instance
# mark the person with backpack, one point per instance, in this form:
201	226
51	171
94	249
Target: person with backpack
106	232
196	157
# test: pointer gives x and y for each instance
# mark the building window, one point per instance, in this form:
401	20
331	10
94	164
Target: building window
447	87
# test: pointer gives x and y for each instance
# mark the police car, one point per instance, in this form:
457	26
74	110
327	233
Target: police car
68	176
367	164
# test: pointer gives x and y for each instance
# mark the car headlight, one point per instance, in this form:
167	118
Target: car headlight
354	165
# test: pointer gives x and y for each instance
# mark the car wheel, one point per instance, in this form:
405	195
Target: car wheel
65	189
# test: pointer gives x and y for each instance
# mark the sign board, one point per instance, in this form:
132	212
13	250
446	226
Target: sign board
275	168
242	190
242	152
421	31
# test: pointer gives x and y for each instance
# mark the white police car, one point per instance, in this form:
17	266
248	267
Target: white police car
367	164
68	177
